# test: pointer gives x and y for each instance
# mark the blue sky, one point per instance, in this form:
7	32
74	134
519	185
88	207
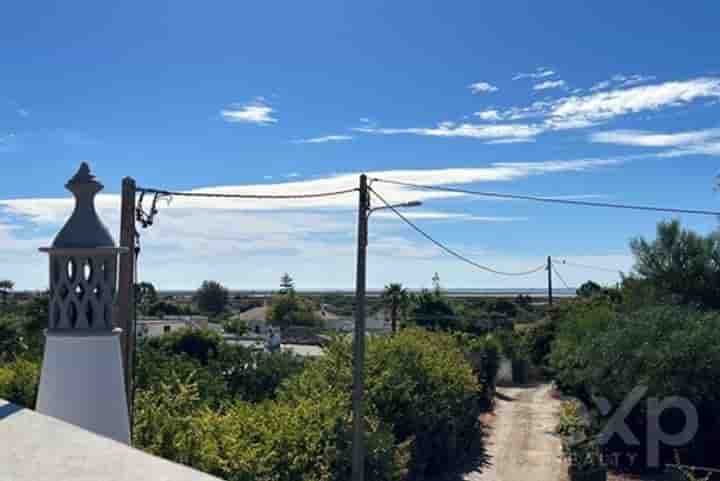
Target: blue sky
617	101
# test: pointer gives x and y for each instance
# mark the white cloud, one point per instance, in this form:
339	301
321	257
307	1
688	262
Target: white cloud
23	112
256	112
654	139
621	81
445	216
489	115
569	112
474	131
480	87
314	239
606	105
581	111
324	139
549	84
540	72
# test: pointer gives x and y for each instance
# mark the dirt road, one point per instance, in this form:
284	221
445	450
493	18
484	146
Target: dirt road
520	444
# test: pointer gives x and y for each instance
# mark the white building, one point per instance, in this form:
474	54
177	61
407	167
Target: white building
157	326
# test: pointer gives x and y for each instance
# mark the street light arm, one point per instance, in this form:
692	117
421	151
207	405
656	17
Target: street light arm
412	203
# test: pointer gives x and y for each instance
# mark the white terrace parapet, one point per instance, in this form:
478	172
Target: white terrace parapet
35	447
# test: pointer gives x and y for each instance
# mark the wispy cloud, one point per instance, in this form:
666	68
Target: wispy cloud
620	80
482	87
23	112
447	216
468	130
489	115
655	139
191	234
696	142
256	112
569	112
324	139
549	84
540	72
606	105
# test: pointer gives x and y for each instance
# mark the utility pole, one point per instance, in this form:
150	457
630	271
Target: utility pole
358	448
124	314
549	271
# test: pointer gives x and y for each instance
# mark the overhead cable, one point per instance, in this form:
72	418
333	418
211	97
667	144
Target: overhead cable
448	249
584	203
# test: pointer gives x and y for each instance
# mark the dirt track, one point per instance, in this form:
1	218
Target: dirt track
521	445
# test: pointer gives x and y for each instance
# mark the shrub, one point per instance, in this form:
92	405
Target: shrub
419	385
19	382
670	350
303	440
253	375
200	344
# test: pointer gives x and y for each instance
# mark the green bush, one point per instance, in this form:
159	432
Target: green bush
19	382
418	383
278	441
231	373
672	351
200	344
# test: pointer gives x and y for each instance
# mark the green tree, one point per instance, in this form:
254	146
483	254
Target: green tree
287	284
681	264
6	286
589	289
434	310
395	300
234	325
212	298
145	296
288	309
11	340
436	283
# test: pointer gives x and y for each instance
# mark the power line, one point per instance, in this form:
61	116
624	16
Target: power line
560	277
448	249
147	218
585	266
168	193
552	200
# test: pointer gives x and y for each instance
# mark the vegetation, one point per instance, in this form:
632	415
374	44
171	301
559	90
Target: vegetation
145	296
680	265
291	309
395	299
423	401
212	298
6	286
417	382
287	283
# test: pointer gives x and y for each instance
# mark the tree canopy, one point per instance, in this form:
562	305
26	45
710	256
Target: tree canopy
396	301
680	264
212	298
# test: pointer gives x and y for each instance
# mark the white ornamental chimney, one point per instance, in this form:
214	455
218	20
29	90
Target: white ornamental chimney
82	376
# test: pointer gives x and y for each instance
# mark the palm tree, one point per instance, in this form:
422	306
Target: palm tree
395	300
5	287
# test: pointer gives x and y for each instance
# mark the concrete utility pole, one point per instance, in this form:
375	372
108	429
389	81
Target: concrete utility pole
549	271
125	315
358	447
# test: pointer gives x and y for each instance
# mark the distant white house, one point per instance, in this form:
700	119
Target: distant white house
376	322
157	326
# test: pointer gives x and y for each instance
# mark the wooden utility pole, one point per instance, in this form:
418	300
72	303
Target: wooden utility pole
549	271
358	448
124	311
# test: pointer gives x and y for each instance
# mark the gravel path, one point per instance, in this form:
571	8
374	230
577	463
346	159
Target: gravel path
520	444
